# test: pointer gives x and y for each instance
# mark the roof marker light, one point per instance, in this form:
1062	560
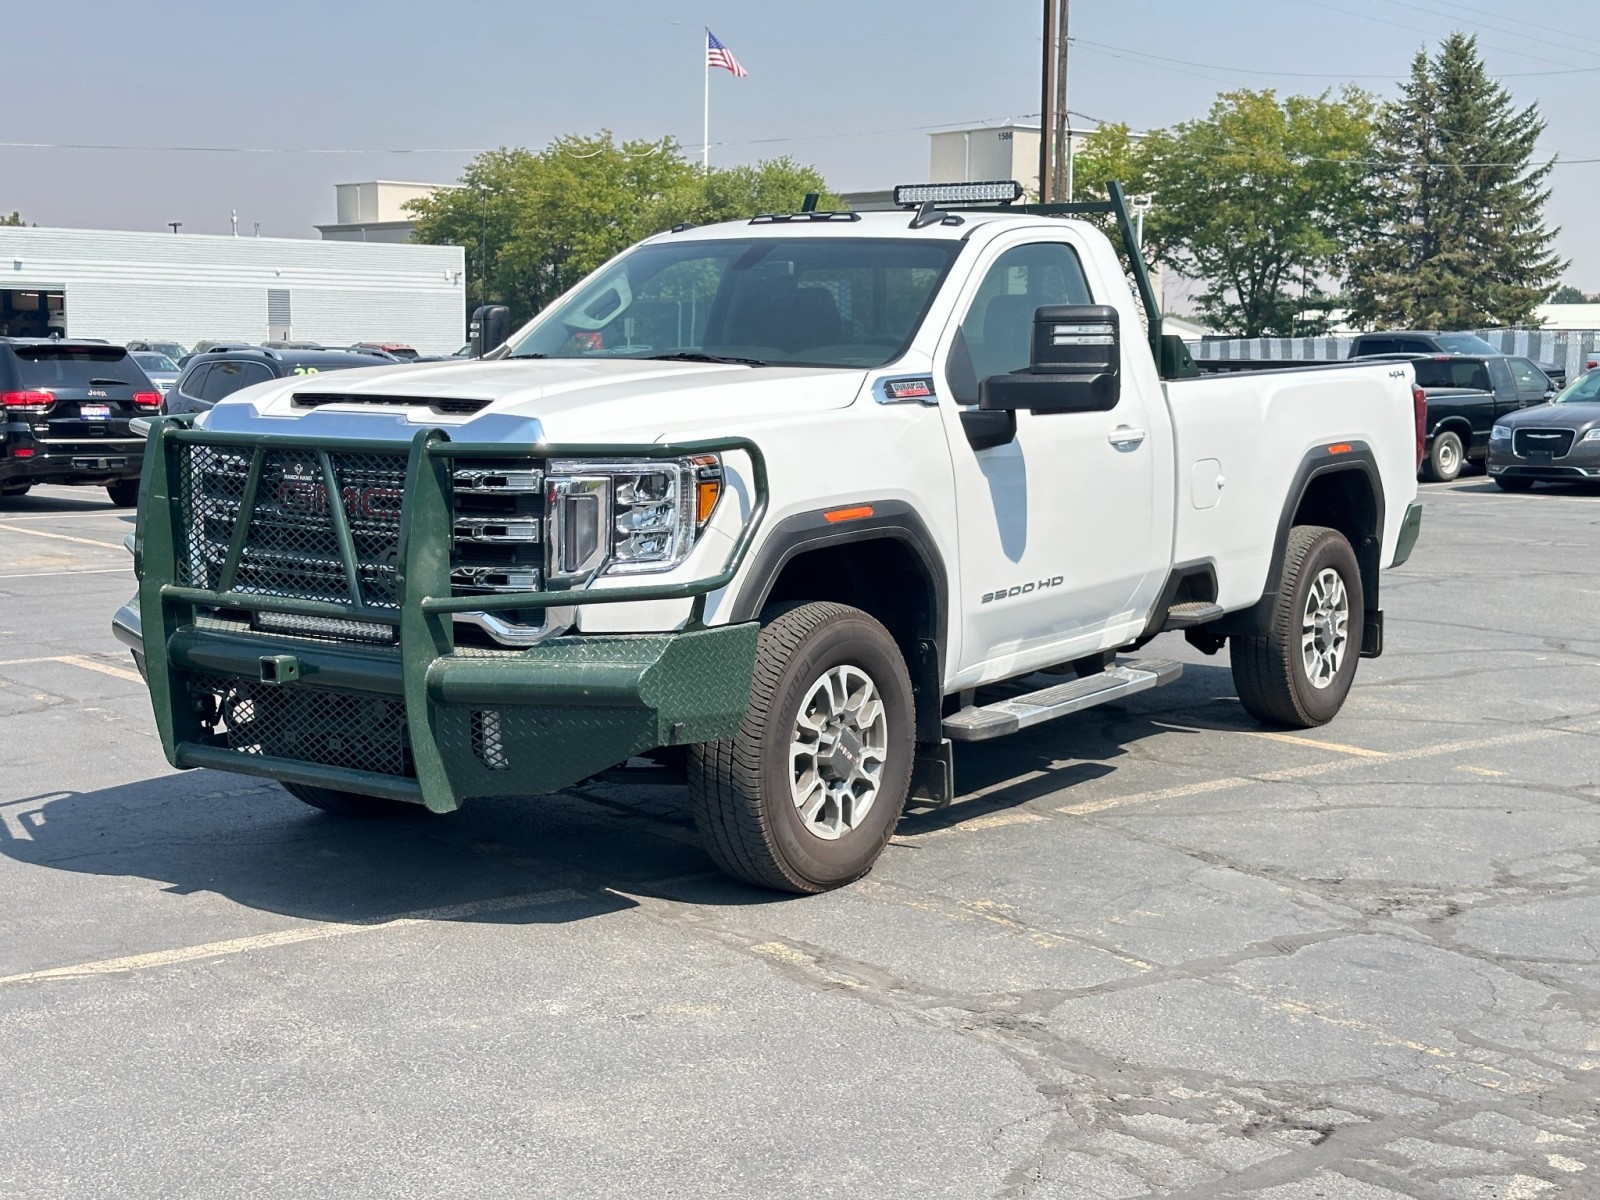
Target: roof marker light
991	191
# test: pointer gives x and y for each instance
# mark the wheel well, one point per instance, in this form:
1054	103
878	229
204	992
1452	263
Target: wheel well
1456	425
884	577
1345	500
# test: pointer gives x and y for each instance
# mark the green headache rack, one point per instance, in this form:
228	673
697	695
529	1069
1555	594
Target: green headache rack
298	599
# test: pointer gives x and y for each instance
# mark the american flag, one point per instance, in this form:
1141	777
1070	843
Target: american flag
718	55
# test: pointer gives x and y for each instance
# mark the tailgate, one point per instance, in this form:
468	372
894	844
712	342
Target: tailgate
82	392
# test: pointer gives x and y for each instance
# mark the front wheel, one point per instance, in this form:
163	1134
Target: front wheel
806	795
124	493
1300	671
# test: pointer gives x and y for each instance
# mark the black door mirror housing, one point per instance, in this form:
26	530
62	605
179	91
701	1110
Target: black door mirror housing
1075	366
490	327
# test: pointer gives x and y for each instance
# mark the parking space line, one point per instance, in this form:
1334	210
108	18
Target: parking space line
1289	774
286	937
89	664
1296	740
61	537
85	571
64	516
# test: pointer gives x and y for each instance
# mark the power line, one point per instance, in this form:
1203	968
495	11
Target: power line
1527	37
1413	28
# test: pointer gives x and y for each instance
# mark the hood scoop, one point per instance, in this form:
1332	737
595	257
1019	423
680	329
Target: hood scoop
455	405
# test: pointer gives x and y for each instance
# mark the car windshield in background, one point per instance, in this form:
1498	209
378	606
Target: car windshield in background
1585	389
151	361
76	366
1443	373
805	301
1464	343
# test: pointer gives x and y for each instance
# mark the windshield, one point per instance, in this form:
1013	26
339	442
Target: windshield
155	362
1585	389
802	301
1464	343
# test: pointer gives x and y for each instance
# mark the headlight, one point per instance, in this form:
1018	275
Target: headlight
627	518
1592	436
1500	433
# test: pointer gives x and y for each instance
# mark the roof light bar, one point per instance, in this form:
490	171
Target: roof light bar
991	191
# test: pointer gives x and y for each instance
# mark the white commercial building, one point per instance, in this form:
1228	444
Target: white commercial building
376	211
187	287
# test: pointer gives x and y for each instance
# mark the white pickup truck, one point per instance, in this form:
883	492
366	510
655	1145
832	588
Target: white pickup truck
788	505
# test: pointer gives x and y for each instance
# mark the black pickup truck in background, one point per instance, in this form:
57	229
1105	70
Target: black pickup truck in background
1466	393
1533	379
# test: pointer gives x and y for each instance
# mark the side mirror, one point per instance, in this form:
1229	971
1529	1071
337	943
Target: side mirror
1076	364
490	327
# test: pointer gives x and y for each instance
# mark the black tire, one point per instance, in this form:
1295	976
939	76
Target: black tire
124	493
1512	483
741	789
351	804
1445	458
15	491
1270	671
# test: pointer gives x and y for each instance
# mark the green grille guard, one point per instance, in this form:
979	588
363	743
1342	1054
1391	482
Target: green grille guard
616	672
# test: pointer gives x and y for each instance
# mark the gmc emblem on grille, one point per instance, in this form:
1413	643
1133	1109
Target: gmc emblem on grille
300	494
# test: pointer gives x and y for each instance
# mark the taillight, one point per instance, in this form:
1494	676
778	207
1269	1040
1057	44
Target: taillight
27	401
1419	409
147	401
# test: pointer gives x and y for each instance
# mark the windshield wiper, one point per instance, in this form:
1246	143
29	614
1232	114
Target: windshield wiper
113	382
534	355
695	356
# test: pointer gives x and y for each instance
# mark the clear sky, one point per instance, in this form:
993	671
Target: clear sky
849	85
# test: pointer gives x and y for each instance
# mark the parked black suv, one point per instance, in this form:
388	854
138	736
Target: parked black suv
223	370
64	412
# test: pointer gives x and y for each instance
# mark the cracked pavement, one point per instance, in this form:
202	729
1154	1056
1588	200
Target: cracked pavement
1152	951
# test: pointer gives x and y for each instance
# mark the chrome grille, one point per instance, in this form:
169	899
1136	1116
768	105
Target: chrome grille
1527	441
290	548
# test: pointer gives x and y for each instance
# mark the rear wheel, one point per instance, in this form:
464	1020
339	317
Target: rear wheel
806	795
124	493
1445	458
1300	671
1512	483
351	804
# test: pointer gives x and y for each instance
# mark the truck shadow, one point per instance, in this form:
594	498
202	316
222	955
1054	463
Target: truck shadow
249	841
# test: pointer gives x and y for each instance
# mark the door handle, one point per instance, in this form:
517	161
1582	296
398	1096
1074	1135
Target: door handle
1125	437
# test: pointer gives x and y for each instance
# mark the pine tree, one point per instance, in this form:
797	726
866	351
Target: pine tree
1456	237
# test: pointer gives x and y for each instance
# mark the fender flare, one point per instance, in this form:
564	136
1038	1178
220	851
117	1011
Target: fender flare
1315	465
804	532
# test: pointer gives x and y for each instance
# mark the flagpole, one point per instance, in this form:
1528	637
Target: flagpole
705	128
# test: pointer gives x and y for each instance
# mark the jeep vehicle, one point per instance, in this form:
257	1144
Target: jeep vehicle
789	505
65	406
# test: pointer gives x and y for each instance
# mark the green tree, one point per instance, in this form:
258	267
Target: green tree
1258	200
1457	238
533	224
1114	152
14	219
1567	294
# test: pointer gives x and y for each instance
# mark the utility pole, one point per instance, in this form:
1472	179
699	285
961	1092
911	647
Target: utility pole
1061	181
1047	100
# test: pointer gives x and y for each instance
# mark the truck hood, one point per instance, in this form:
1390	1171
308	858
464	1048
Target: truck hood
555	400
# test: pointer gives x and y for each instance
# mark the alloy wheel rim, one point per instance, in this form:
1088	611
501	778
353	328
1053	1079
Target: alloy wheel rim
838	751
1447	458
1324	628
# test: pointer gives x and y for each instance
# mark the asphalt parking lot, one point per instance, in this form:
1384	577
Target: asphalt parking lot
1152	950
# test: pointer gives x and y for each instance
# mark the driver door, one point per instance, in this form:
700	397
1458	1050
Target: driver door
1057	526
